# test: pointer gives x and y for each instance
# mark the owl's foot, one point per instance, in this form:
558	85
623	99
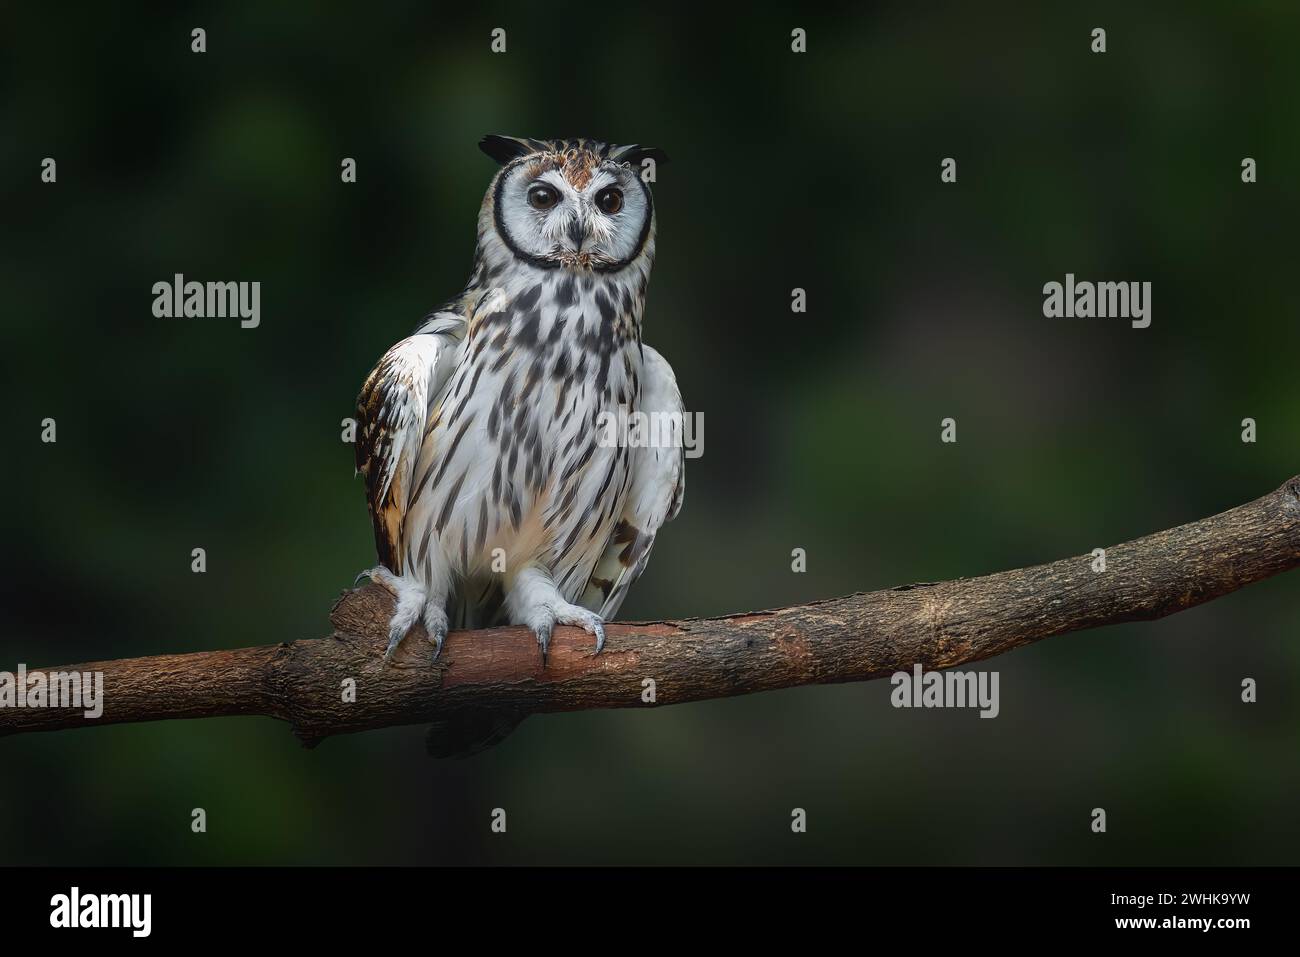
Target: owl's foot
414	603
536	602
588	621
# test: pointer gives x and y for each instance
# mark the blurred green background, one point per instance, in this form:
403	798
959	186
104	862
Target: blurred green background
818	171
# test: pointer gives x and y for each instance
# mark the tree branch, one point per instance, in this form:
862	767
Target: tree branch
855	638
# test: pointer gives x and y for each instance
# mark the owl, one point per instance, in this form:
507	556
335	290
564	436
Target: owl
499	490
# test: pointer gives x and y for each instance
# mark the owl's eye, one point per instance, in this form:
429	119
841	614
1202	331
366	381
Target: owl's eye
610	200
542	197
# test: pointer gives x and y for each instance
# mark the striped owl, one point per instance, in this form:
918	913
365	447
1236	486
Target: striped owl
494	490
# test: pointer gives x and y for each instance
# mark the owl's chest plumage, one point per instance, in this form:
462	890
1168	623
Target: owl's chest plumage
513	470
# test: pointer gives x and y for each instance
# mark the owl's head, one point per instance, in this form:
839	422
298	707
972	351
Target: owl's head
578	203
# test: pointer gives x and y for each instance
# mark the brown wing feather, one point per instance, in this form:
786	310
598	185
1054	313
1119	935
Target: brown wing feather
384	499
391	413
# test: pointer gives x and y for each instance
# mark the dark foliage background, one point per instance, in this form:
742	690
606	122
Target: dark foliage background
822	430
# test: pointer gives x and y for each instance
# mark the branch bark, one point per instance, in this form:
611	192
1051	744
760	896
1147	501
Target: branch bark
498	672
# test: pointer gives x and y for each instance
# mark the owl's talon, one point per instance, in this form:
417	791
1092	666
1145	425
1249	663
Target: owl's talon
436	625
394	640
543	633
381	576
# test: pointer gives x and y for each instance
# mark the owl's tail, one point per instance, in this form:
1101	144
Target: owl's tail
469	731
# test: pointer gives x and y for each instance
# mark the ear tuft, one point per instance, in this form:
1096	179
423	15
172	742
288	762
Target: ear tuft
505	149
634	154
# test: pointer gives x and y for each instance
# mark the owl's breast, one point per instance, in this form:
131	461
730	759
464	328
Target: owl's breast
521	465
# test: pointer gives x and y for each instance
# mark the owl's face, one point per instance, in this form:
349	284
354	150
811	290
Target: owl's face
578	204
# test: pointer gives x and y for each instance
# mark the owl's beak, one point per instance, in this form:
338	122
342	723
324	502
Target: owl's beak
577	233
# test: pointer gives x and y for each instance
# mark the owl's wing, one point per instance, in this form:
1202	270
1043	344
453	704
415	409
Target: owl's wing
392	411
655	496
